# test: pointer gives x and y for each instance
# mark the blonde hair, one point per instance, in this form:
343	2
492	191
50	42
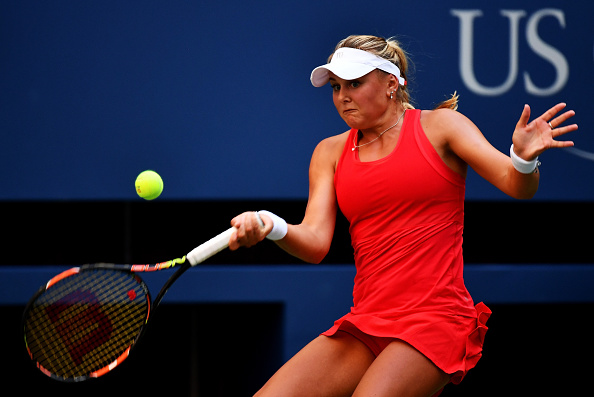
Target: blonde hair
391	50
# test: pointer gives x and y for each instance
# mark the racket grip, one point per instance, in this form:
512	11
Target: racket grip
210	248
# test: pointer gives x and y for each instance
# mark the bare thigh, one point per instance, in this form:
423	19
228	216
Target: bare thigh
329	367
401	370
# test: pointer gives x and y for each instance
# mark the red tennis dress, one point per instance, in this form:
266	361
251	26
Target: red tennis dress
406	214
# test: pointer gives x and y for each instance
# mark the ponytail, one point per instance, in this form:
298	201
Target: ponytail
451	103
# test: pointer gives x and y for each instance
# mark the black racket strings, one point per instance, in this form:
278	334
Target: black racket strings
121	297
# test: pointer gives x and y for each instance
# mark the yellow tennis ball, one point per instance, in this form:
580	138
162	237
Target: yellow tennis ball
149	185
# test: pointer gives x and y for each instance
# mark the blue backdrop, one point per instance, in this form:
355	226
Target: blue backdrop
215	95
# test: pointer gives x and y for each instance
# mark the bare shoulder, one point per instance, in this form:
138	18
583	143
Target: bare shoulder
454	137
447	127
444	119
329	150
335	142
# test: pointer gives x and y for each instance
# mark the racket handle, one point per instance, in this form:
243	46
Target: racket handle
210	248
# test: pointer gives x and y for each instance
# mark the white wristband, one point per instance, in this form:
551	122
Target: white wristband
521	165
279	228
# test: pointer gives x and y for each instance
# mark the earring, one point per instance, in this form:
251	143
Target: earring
392	95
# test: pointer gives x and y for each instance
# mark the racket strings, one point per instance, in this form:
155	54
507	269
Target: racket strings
89	327
85	322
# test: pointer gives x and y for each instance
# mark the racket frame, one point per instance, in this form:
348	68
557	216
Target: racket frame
194	257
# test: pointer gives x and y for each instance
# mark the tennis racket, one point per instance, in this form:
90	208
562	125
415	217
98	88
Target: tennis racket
84	321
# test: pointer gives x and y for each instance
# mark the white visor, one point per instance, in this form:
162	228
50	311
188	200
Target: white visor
350	64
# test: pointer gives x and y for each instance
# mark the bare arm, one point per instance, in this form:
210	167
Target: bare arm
310	240
530	139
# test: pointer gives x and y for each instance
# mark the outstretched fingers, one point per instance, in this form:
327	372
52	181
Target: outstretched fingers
549	114
531	138
555	123
524	118
558	132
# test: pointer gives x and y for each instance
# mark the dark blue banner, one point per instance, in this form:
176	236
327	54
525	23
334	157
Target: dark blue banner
215	95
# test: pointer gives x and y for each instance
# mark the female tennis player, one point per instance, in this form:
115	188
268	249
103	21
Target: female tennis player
398	176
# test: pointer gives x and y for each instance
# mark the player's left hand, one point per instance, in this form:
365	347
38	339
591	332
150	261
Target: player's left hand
531	139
